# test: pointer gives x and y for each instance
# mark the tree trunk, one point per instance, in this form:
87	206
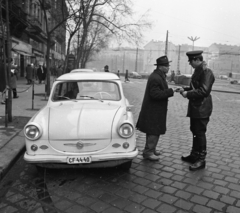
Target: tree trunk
48	87
9	104
68	49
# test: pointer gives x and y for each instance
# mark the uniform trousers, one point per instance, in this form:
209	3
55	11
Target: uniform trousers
198	127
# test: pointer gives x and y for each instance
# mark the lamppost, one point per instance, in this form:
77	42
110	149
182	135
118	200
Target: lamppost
193	40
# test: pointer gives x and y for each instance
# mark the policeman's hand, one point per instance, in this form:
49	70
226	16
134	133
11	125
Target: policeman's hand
184	94
177	89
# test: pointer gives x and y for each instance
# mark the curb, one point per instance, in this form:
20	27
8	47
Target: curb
11	152
213	90
226	91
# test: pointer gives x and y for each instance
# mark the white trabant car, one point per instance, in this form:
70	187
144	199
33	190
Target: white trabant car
87	122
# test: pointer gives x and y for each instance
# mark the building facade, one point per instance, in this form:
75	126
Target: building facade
28	33
225	60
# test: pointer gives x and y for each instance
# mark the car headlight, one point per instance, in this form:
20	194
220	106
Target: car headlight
32	132
126	130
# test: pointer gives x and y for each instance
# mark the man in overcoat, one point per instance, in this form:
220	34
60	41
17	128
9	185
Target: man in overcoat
153	115
40	74
29	74
199	108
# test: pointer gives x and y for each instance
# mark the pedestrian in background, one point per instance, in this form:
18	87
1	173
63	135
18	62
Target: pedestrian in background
153	115
172	76
44	72
118	73
13	80
199	108
106	68
34	71
29	74
59	71
126	76
40	74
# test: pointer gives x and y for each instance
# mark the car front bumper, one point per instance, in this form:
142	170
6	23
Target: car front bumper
116	156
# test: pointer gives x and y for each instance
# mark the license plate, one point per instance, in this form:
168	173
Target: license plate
79	160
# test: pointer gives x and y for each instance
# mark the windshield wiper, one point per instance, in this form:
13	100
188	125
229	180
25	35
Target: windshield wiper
86	96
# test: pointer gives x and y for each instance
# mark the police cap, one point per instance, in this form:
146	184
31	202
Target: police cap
192	55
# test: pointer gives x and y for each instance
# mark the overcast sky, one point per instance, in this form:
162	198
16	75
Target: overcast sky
214	21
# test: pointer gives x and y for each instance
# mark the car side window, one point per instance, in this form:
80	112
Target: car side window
65	91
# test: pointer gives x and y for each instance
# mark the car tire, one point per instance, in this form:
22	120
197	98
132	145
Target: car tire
126	166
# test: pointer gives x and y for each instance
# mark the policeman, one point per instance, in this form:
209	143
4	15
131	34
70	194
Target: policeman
199	108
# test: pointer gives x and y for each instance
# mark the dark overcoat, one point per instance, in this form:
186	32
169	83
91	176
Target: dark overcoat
153	115
200	101
40	73
29	72
13	77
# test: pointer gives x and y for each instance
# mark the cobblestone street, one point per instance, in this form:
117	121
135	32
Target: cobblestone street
166	186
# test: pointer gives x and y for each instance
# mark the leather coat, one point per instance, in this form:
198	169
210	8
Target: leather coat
200	100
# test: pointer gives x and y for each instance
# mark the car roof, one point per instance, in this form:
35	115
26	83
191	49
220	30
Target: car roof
82	70
89	76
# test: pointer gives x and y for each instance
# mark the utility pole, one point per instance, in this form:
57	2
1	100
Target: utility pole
178	64
116	61
193	40
136	63
123	60
166	45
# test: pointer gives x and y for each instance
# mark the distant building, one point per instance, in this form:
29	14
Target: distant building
225	59
118	59
222	59
176	54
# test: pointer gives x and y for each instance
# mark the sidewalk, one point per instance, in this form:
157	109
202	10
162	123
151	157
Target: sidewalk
12	142
23	108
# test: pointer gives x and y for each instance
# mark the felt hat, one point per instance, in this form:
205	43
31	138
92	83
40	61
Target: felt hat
163	61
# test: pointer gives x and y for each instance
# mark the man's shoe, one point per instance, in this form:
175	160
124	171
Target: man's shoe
16	97
152	157
157	153
3	102
200	164
190	158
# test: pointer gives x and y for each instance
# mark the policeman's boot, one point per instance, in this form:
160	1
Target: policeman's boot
192	158
200	163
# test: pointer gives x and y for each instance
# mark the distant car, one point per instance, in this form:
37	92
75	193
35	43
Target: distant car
225	77
87	122
82	70
135	75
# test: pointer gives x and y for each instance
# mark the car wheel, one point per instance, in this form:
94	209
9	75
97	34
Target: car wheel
126	166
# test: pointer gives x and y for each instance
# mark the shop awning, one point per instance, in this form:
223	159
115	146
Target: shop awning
22	53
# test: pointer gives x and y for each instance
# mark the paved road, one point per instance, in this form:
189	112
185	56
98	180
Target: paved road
166	186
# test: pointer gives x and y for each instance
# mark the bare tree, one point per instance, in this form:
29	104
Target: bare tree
72	26
115	16
55	17
97	38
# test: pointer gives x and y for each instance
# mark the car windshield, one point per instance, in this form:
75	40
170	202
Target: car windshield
86	90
